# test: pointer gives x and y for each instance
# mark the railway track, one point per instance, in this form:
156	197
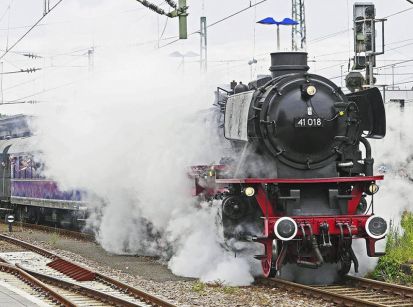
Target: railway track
78	285
19	279
353	291
65	232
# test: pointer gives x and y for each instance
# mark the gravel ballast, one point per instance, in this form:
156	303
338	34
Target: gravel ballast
150	275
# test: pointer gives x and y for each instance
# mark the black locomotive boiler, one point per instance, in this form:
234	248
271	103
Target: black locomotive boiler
301	174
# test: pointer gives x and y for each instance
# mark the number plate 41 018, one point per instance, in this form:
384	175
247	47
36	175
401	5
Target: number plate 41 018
308	122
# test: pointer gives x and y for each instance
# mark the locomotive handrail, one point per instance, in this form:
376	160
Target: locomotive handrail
300	180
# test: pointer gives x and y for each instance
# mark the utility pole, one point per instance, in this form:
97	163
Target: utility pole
203	54
299	31
341	79
90	54
278	37
46	7
1	83
181	12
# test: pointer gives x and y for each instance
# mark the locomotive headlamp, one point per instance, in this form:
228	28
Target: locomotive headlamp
373	188
211	173
249	191
285	228
376	227
311	90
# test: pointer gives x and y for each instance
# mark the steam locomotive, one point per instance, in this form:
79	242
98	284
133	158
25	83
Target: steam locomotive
299	179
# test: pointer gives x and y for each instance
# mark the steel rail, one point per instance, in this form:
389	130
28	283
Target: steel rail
337	293
36	284
60	231
29	247
75	287
150	299
379	285
134	292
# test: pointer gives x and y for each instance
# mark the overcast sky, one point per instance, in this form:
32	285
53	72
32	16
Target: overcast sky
115	27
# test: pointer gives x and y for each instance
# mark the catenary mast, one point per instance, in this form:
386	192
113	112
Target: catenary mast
299	31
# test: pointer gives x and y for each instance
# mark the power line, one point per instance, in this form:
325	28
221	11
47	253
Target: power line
399	12
28	70
156	8
42	92
397	63
28	31
5	12
171	3
397	74
321	38
19	84
236	13
216	22
399	47
20	102
405	82
327	36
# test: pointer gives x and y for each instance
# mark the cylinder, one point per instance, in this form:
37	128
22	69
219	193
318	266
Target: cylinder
288	62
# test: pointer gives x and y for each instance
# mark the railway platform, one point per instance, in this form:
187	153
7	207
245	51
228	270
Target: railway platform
11	296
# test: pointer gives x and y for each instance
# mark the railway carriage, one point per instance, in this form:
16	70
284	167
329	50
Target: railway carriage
32	197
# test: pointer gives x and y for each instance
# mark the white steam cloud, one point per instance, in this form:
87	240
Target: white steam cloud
128	137
393	155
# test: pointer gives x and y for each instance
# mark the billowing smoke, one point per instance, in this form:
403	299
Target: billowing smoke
127	138
394	157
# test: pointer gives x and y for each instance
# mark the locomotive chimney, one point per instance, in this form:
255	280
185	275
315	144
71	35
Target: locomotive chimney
288	62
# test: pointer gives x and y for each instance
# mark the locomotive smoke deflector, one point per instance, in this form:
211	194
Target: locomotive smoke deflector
371	109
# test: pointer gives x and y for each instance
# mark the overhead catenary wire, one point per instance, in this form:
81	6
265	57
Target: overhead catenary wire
28	70
405	82
216	22
321	38
155	8
19	84
171	3
394	64
43	91
399	12
20	102
5	11
8	25
8	49
331	35
396	74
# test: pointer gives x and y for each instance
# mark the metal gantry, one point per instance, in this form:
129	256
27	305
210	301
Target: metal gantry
299	31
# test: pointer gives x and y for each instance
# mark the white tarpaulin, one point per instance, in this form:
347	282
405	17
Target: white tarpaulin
236	116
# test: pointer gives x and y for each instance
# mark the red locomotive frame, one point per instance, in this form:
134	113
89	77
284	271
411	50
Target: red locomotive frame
348	226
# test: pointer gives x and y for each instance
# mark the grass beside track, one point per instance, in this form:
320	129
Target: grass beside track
399	251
